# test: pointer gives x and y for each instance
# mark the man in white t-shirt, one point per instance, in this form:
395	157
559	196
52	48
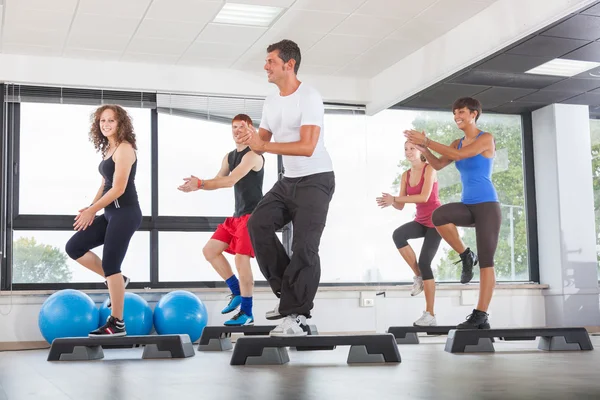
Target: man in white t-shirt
293	118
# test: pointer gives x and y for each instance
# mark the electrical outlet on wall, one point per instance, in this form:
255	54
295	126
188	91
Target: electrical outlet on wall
367	299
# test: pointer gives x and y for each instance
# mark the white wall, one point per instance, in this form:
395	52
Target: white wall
55	71
336	310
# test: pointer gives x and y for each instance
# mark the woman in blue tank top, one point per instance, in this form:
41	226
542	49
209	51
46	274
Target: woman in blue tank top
479	206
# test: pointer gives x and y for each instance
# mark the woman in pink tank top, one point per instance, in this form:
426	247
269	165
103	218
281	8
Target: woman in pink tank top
418	185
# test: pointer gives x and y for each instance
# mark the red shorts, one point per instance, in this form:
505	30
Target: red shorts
234	232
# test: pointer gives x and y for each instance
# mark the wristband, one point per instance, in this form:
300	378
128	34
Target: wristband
200	184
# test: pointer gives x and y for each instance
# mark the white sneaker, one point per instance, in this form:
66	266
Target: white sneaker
417	286
292	325
426	320
274	313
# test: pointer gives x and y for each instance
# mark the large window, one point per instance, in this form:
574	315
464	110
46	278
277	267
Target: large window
58	163
56	171
192	146
368	157
190	265
39	257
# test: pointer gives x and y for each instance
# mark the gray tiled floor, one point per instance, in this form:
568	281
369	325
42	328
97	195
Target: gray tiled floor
516	371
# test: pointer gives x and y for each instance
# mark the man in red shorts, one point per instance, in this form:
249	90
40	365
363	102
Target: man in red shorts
244	170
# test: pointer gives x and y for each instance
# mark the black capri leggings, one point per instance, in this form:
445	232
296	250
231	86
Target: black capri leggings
114	230
485	217
414	230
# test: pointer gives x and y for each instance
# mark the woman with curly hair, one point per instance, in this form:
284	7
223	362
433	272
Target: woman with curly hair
112	135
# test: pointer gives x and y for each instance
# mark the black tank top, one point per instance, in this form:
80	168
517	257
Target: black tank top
248	190
107	170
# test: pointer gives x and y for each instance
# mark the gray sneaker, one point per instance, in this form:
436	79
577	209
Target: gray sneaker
292	325
417	286
426	320
274	313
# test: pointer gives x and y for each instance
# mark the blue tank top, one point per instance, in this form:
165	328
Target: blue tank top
476	178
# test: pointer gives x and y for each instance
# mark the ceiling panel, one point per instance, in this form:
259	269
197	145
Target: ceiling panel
589	52
420	30
67	6
517	107
240	35
215	50
493	78
173	30
585	98
149	58
127	8
545	46
497	96
337	6
314	21
593	10
93	54
513	63
269	3
157	46
400	10
37	19
446	94
48	38
547	96
184	10
345	44
575	85
91	24
585	27
35	50
448	11
367	25
98	41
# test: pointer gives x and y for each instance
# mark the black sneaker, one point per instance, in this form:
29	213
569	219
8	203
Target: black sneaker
112	328
469	260
125	279
476	320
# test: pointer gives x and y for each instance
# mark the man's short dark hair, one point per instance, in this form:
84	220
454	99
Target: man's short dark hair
288	50
469	102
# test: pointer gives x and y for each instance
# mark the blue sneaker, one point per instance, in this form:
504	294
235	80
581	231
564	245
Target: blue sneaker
234	303
240	319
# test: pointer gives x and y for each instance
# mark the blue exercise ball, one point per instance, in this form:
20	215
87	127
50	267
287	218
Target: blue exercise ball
180	312
67	313
137	314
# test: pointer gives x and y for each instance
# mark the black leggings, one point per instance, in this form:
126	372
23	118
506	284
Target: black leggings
414	230
114	230
485	217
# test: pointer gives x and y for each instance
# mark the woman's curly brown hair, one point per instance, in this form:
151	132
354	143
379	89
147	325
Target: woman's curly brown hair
124	128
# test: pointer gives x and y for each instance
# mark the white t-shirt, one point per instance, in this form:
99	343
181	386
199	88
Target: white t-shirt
284	115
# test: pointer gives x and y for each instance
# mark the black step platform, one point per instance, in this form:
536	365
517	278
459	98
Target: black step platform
375	348
218	338
155	346
408	334
551	339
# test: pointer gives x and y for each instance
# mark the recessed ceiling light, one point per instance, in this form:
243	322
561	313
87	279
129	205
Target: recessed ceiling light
563	67
247	14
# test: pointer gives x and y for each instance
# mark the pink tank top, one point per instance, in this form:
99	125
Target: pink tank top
424	210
